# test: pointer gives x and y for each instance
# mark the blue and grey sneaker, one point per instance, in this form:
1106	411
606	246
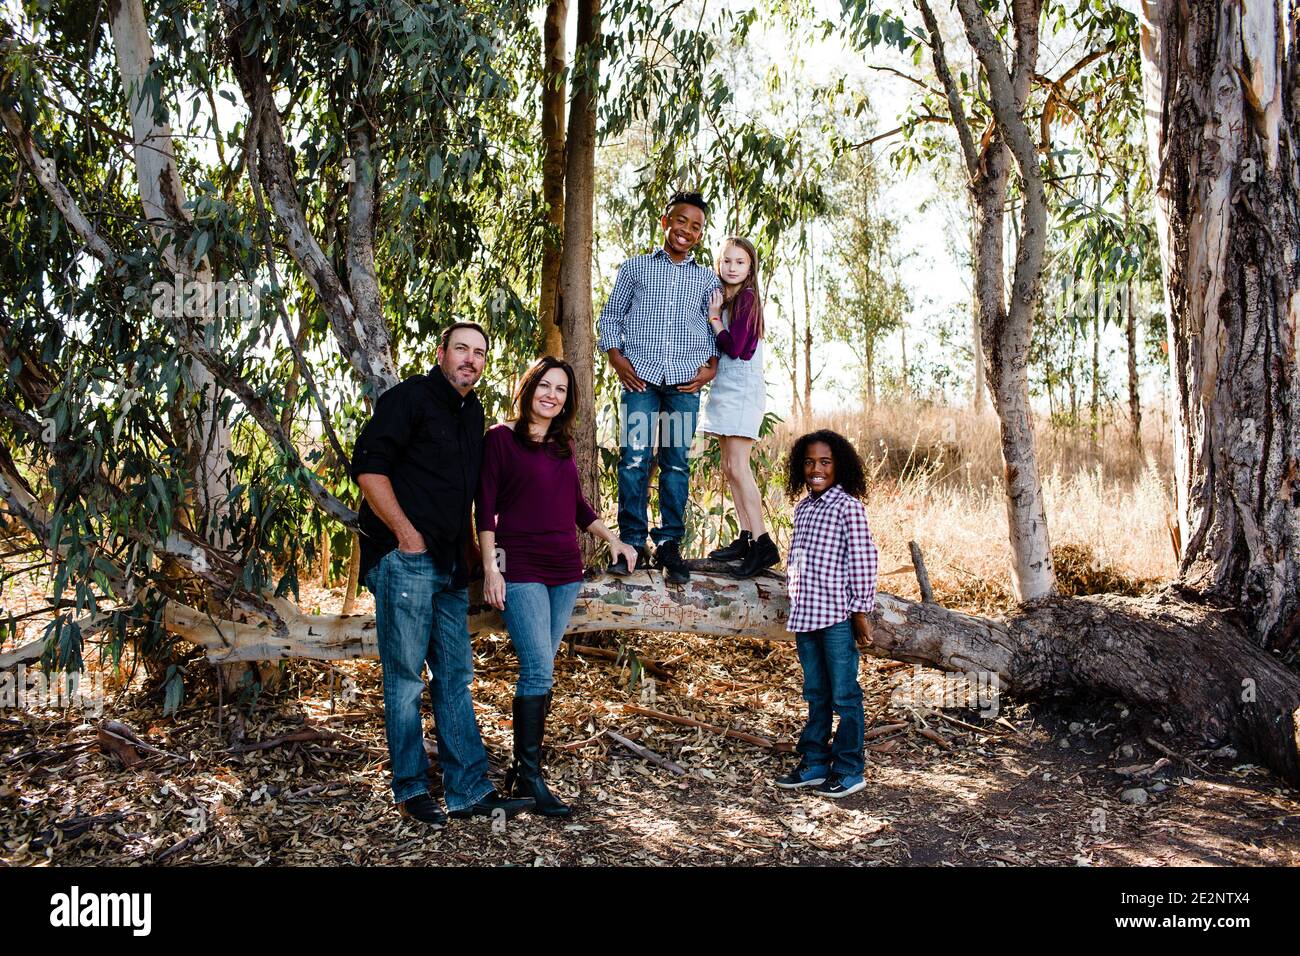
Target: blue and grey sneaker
802	776
841	786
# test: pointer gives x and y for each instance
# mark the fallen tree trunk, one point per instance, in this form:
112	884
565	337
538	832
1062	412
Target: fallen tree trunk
1191	663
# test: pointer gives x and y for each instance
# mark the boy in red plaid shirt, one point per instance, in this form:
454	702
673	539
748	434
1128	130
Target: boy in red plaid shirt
831	579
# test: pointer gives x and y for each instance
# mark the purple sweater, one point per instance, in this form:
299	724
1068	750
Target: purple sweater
533	501
740	338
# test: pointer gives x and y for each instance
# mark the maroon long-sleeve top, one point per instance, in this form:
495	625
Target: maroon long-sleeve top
533	500
740	338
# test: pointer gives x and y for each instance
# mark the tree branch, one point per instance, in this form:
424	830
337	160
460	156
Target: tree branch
43	169
924	118
951	92
267	135
228	378
1007	97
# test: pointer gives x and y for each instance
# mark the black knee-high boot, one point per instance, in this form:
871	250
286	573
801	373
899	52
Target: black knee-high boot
525	776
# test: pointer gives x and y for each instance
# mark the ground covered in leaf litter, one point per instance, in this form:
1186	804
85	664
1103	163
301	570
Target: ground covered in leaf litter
301	777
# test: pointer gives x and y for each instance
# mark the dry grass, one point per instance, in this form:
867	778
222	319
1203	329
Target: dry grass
937	479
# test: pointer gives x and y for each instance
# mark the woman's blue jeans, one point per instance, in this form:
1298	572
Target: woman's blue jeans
420	618
536	616
829	658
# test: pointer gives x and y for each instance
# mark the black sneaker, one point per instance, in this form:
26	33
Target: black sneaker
620	568
803	776
492	804
669	557
424	809
735	551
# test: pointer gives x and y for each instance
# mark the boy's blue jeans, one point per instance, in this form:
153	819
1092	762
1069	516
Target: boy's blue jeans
421	618
662	411
829	658
536	616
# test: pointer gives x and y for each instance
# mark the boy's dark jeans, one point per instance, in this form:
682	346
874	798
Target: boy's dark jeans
661	413
829	658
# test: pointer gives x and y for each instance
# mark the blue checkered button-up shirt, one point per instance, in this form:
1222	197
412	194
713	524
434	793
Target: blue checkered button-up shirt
658	317
831	570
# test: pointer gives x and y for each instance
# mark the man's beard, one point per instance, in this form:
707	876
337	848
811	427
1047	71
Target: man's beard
464	375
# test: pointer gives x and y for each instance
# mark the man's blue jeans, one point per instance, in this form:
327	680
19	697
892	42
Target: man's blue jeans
661	412
421	618
536	616
829	658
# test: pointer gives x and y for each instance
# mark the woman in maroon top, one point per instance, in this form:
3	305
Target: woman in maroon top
530	507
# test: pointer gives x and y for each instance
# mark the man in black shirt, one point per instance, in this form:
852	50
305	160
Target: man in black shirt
417	463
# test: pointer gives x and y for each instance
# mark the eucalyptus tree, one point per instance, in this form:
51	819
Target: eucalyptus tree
1220	117
353	171
553	89
1005	321
867	299
1220	85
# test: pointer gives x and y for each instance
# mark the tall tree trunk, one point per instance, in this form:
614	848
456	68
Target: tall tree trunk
163	199
1134	398
575	268
354	573
325	558
553	98
979	396
1006	326
902	343
869	368
796	404
1073	379
807	340
1220	85
1094	400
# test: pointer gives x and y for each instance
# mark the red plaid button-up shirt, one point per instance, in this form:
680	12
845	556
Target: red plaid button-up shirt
831	572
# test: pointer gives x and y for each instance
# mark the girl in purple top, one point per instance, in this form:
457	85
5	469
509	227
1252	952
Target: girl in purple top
734	408
529	507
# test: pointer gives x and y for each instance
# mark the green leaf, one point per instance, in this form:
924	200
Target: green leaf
174	689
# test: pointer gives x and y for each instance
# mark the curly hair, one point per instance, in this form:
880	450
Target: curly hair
691	199
850	472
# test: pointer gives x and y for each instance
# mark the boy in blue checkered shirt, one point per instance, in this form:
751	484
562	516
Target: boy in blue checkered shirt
655	331
831	580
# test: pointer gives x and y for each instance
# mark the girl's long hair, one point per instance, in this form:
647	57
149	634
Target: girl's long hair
559	436
750	281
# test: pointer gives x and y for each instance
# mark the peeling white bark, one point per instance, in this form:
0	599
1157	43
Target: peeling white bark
1221	130
362	281
163	199
358	325
46	174
1006	326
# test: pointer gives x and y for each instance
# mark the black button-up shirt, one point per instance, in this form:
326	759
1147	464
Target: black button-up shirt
428	440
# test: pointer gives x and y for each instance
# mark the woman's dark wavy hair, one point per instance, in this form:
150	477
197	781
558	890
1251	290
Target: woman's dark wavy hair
559	437
850	472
